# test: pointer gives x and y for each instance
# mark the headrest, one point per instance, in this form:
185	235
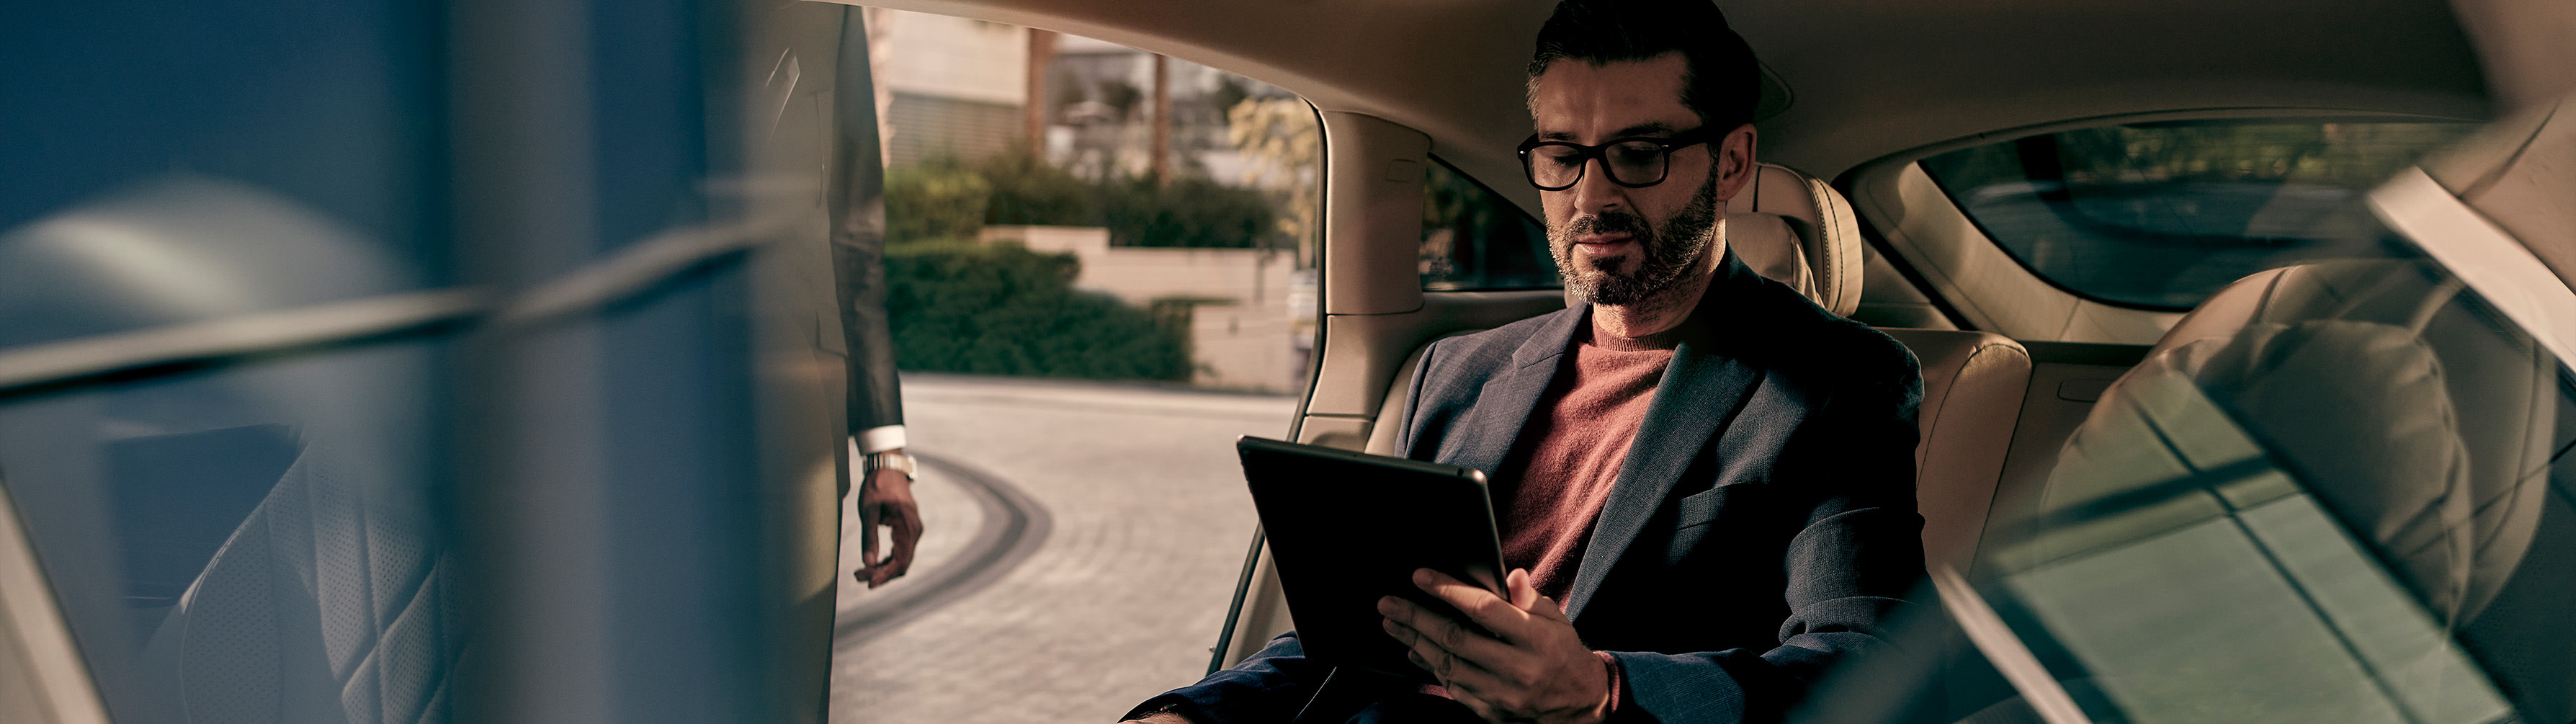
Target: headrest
1828	236
2454	411
2342	288
1768	246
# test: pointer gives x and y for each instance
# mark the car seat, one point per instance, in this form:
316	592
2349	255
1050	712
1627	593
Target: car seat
2389	396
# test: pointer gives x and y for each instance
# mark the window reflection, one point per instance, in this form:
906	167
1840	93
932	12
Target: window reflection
2342	510
2160	215
250	540
1473	238
253	543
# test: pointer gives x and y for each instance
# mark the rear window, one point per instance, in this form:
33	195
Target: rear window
2161	215
1473	238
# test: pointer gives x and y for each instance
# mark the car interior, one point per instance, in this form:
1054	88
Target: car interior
1955	175
1867	107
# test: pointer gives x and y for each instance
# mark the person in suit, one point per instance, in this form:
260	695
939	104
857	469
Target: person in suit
1703	481
875	396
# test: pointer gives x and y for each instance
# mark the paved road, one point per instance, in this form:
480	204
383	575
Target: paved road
1121	578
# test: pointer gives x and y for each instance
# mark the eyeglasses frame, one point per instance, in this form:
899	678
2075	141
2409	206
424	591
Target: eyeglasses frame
1594	153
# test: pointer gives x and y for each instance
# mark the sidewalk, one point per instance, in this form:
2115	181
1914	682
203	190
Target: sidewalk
1121	600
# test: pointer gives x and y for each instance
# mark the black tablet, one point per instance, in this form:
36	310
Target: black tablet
1346	528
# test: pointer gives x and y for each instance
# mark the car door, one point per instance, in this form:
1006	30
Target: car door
416	362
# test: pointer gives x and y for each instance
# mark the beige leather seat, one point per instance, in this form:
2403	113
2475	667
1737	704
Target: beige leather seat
2438	460
1973	384
1820	253
1798	230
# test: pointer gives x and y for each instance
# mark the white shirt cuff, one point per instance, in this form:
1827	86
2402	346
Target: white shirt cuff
879	439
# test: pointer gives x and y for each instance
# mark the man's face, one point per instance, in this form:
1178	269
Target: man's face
1616	245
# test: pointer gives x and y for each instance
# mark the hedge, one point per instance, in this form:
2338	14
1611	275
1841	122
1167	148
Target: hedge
1001	309
949	198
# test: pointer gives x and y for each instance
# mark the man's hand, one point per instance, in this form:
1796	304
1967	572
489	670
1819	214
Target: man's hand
885	498
1533	669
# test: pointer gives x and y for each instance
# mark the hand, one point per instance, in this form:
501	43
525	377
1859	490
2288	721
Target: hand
885	498
1533	669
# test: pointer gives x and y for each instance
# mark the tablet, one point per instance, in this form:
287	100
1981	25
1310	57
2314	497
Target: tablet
1346	528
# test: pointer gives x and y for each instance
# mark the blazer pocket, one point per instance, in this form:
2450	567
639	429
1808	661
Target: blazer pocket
1704	507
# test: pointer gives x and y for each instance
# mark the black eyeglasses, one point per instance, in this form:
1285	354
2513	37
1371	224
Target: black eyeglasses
1634	162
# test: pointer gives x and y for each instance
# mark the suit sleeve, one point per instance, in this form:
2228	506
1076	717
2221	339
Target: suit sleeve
858	249
1409	428
875	396
1856	553
1267	688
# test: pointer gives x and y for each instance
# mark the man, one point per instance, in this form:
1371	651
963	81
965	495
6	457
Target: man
1704	481
875	399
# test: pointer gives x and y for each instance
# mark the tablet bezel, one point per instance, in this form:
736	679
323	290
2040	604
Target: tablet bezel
1415	515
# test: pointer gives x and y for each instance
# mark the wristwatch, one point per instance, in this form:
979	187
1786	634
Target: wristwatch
890	460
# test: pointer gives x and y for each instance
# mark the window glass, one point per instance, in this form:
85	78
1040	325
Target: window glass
186	114
2161	215
1473	238
255	543
255	540
2356	508
1096	281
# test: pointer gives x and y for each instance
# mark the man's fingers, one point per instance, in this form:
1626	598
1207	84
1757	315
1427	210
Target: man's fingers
1524	588
1443	662
907	535
887	501
1422	621
904	542
1549	609
1467	680
1524	592
866	506
1440	630
1480	605
867	544
1419	649
910	534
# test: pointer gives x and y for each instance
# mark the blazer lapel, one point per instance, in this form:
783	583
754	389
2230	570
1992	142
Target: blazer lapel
1504	403
1702	389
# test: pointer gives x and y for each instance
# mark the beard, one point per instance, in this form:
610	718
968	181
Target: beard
1666	250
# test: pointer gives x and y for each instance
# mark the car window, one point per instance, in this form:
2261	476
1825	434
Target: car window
256	541
149	120
2161	215
1473	238
261	539
1097	281
2360	507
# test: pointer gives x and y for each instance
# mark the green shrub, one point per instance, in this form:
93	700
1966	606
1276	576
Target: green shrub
946	198
1001	309
941	199
1188	211
1028	191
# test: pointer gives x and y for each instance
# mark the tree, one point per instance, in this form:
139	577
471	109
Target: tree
1280	139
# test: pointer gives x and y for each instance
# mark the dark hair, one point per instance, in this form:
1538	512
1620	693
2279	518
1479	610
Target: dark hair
1719	79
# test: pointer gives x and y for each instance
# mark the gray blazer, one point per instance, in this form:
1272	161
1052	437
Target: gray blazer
1762	529
857	210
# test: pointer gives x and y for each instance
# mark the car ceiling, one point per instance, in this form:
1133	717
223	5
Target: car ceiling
1866	78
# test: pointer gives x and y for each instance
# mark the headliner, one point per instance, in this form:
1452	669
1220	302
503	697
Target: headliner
1867	78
